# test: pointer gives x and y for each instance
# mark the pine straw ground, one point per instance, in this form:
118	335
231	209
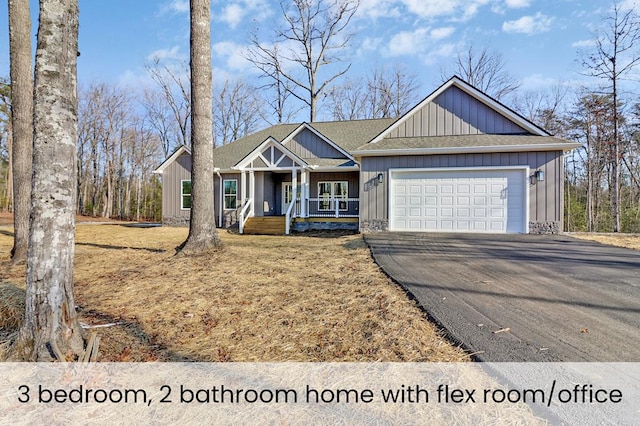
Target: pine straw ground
264	298
621	240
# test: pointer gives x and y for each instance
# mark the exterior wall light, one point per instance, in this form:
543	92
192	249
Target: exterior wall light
380	177
539	176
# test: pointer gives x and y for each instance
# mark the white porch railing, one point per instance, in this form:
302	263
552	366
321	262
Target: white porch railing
243	214
333	207
290	210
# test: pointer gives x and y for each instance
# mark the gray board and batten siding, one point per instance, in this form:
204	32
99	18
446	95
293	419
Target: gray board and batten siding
457	121
308	145
172	177
545	198
452	113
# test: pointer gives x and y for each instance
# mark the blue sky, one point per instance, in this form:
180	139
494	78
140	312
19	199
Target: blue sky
539	39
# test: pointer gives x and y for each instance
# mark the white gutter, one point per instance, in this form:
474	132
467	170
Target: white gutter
465	150
317	168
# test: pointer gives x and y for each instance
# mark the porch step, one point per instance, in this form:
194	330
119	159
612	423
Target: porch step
265	225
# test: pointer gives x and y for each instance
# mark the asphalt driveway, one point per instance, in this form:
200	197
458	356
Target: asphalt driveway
522	297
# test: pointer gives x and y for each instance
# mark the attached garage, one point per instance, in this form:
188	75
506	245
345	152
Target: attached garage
490	200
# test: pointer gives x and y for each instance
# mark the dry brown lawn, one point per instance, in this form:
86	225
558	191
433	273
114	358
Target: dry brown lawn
631	241
264	298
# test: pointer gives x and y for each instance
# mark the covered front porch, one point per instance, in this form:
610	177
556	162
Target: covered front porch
277	187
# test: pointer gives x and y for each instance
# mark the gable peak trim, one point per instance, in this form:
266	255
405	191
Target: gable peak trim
473	92
316	132
173	157
271	162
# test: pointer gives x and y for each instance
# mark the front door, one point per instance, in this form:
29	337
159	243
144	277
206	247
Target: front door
287	195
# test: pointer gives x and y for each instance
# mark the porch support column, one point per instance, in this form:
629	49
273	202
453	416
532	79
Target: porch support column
294	188
303	192
243	186
252	192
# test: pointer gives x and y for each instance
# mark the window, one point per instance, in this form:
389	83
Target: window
332	190
185	192
230	194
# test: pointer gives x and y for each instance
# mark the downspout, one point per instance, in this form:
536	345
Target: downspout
220	206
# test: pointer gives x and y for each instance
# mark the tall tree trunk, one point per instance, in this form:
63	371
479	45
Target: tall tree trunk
8	196
50	330
22	119
203	235
616	155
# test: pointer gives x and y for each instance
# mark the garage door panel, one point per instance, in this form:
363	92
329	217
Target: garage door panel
463	213
463	225
415	189
497	213
470	201
446	189
446	225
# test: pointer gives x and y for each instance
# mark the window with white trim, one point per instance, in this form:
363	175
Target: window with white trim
331	190
185	194
230	194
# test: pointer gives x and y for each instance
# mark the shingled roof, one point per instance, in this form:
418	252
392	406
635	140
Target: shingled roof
348	135
466	142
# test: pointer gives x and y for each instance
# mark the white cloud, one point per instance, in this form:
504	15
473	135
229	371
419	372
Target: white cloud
630	5
517	4
172	53
371	44
537	81
529	25
375	9
446	50
440	33
432	8
175	6
584	43
234	14
407	42
418	41
233	55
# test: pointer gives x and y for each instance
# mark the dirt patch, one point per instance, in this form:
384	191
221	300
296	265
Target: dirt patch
263	298
631	241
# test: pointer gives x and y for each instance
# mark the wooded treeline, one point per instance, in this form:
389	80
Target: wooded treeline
124	134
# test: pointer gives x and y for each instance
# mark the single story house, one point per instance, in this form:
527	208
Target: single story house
459	161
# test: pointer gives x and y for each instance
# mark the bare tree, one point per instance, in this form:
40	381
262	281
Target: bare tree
50	330
174	88
236	111
484	70
614	56
546	108
203	235
279	90
385	93
160	120
6	193
22	122
314	36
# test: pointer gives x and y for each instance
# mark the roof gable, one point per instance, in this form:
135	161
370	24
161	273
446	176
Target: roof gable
308	142
457	108
270	155
173	157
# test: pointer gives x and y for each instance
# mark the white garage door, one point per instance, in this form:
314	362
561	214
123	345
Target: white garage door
459	201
